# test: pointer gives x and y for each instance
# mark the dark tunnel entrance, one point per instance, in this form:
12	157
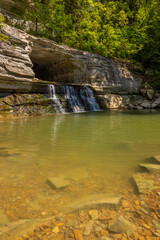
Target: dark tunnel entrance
43	72
52	65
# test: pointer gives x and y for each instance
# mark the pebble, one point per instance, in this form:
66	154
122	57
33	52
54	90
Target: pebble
88	227
104	233
125	204
55	230
78	235
93	214
98	229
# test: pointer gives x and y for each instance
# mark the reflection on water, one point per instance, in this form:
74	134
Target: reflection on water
96	152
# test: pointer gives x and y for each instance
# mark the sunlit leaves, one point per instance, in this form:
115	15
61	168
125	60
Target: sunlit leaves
125	29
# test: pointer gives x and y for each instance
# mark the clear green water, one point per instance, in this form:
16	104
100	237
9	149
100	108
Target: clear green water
96	152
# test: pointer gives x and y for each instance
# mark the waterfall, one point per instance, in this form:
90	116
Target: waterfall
56	101
87	95
80	99
71	94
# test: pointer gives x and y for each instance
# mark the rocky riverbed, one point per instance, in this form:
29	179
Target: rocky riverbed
133	215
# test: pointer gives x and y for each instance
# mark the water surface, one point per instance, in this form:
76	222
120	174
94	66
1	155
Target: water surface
97	152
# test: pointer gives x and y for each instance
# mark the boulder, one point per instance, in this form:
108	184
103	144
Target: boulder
114	101
142	184
122	225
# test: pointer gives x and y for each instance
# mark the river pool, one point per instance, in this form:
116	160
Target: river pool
96	152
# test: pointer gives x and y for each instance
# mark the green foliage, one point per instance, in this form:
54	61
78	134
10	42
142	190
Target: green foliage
123	29
2	36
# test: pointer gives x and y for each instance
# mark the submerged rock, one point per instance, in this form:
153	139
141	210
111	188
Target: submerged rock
106	238
94	201
16	229
153	168
122	225
88	227
93	214
57	182
157	159
142	183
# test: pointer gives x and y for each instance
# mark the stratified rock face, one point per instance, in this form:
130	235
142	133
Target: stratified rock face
22	105
57	63
16	72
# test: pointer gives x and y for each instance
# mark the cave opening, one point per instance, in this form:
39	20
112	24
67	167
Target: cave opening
50	66
43	72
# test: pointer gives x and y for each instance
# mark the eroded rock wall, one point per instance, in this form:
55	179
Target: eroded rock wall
60	64
26	60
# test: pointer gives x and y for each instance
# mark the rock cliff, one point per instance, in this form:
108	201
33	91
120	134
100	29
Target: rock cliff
28	64
24	57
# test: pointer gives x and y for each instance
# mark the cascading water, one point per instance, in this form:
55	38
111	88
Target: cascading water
56	101
89	100
72	96
80	99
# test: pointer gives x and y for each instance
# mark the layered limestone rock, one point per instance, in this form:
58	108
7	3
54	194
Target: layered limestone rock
22	105
16	72
26	60
24	56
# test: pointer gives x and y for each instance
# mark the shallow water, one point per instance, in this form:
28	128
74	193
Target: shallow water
97	152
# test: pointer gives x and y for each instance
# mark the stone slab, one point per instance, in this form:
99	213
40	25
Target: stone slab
57	182
122	225
94	201
16	229
142	184
153	168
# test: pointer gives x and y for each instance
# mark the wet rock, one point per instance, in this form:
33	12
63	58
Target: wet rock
106	238
153	168
157	225
157	159
94	201
156	103
98	229
93	214
146	104
104	233
88	227
16	229
122	225
142	183
125	204
55	230
57	182
150	93
78	235
73	223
